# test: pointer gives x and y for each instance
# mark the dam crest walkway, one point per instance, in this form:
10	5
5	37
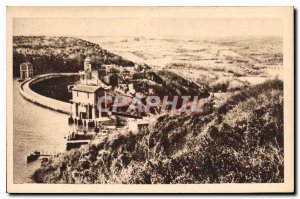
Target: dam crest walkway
47	102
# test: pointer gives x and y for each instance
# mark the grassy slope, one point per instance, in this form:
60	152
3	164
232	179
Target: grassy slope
239	141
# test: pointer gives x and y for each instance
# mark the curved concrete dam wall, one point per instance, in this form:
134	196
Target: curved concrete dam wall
47	102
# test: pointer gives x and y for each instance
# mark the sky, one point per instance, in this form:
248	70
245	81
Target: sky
152	27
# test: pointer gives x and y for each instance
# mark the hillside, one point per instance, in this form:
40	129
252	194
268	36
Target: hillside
59	54
239	140
166	83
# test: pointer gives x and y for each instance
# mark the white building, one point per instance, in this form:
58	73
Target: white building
85	96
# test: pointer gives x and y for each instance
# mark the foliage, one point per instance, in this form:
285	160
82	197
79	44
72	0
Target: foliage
60	54
240	141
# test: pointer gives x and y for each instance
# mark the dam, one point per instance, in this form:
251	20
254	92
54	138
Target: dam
57	105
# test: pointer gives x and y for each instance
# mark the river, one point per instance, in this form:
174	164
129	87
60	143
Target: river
34	128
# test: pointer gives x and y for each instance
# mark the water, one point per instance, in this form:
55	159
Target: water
34	128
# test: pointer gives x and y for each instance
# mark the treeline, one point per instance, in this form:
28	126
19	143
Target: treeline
60	54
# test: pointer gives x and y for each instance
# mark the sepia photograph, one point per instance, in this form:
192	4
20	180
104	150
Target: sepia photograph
150	99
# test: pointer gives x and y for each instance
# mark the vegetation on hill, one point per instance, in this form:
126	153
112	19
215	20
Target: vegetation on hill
166	83
239	140
59	54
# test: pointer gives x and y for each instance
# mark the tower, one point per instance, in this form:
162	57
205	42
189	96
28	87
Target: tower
87	64
88	76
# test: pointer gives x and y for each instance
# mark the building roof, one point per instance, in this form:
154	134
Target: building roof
86	88
24	66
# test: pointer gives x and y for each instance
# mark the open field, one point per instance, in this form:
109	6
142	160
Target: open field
240	60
